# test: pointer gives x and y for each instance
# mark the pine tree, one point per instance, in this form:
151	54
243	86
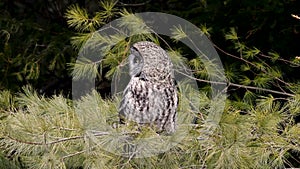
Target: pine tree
258	128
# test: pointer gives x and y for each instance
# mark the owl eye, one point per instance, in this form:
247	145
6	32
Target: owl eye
134	56
136	60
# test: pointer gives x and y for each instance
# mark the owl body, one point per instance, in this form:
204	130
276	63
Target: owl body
150	97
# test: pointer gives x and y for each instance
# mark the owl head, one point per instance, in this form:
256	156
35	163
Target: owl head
150	62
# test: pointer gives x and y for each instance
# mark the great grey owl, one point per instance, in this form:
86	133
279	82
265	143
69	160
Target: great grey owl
150	97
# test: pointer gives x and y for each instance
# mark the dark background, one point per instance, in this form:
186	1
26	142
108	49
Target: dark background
38	48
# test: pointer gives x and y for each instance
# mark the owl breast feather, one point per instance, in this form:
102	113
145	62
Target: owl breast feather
150	103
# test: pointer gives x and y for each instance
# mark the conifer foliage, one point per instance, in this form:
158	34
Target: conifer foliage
259	127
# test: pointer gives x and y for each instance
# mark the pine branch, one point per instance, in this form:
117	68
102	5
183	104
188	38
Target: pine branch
238	85
252	64
96	134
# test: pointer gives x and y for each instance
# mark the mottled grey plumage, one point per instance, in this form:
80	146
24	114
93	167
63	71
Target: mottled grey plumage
150	96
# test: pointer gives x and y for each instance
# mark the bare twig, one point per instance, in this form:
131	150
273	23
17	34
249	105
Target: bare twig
25	142
95	133
283	60
133	5
74	154
261	89
250	63
295	16
238	85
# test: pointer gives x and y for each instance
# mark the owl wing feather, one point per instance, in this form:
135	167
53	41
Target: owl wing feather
149	103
